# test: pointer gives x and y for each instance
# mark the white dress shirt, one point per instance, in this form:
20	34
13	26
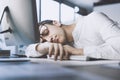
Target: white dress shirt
98	35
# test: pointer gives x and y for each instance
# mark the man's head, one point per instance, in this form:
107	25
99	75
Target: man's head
52	31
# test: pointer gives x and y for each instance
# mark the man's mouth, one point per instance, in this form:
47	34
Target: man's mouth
55	40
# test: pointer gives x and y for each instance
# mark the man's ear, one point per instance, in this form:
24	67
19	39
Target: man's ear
56	23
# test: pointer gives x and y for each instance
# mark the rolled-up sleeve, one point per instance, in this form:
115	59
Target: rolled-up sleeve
31	51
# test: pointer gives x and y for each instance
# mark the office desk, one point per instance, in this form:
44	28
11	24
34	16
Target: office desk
99	72
41	69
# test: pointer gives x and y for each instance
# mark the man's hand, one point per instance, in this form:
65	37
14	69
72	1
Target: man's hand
57	49
63	51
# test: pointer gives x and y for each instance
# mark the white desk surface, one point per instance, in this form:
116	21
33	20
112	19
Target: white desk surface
73	62
47	69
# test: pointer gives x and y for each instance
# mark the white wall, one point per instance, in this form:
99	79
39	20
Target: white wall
113	11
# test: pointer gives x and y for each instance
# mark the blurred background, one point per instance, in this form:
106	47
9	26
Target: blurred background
69	10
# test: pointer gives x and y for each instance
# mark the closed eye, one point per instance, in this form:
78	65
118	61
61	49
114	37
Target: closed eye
42	40
45	32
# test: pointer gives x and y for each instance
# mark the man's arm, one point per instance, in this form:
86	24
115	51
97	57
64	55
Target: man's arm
73	51
56	49
108	50
37	50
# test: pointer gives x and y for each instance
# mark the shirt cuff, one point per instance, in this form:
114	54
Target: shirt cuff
31	51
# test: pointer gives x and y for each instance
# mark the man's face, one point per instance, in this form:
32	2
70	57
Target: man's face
52	33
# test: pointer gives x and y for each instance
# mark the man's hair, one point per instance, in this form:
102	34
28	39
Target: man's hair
45	22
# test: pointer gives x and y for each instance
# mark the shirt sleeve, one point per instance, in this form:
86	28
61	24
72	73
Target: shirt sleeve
31	51
110	49
106	50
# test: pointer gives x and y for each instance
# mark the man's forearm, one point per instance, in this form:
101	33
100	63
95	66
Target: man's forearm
73	51
43	47
80	51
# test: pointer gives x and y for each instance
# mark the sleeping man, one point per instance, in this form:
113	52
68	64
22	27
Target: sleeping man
94	35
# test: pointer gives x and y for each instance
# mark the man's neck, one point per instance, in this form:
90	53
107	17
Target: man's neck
68	31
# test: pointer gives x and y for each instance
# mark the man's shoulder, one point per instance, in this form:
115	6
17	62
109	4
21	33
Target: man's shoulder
95	13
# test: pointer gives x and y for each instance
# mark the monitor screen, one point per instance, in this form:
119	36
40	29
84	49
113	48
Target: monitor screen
21	19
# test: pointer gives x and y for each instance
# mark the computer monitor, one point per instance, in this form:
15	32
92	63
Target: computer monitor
21	18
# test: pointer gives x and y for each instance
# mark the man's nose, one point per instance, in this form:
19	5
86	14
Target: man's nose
49	39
